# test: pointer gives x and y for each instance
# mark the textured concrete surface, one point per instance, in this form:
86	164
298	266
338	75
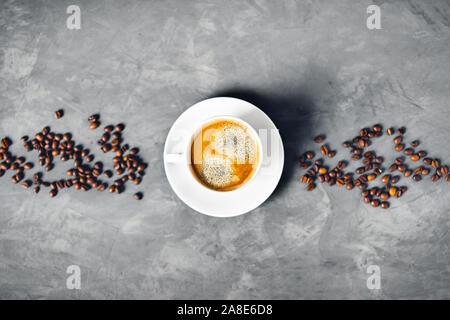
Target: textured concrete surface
313	66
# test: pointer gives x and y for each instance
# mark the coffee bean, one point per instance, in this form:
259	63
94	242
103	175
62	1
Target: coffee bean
120	127
305	165
356	157
427	161
401	131
340	182
310	187
418	170
390	131
392	191
448	177
331	154
324	150
26	184
309	155
321	178
109	128
435	163
415	143
323	170
395	179
407	173
401	168
399	147
393	167
28	166
360	170
435	177
385	178
398	140
36	190
59	113
346	144
90	158
319	138
422	154
94	125
361	143
375	203
417	177
53	193
349	185
367	200
425	171
365	193
371	177
385	205
377	128
443	170
49	167
384	196
408	151
106	147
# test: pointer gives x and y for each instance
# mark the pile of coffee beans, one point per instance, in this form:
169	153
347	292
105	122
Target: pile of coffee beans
84	175
372	166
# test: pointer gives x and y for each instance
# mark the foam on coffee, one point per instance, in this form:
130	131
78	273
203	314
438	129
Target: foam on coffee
224	155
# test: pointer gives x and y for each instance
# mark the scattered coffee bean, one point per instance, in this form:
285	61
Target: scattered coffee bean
422	154
435	177
392	191
399	147
415	143
385	205
425	171
310	186
319	138
331	154
390	131
59	113
435	163
36	190
346	144
408	151
375	203
398	140
309	155
395	179
94	125
356	157
407	173
324	150
417	177
401	131
427	161
53	193
120	127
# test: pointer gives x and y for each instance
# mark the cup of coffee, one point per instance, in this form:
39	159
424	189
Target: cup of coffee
223	154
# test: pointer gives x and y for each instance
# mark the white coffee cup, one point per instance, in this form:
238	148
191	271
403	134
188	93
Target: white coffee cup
184	156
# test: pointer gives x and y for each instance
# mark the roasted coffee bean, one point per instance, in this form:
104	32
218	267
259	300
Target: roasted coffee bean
407	173
395	179
90	158
401	168
116	135
375	203
340	182
28	166
319	138
323	170
59	113
408	151
371	177
443	170
324	150
318	162
379	160
26	184
425	172
422	154
356	157
393	167
94	125
365	193
398	161
367	200
304	165
309	155
435	163
435	177
417	177
361	143
415	143
36	190
398	140
363	132
384	196
346	144
360	170
390	131
310	186
331	154
418	170
448	177
427	161
392	191
399	147
321	178
377	128
109	128
401	131
120	127
106	147
369	155
349	185
53	193
5	143
385	205
49	167
304	178
366	161
386	178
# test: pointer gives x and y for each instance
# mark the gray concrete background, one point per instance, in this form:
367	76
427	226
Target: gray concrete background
313	66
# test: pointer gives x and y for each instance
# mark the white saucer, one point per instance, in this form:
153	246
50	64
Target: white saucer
244	199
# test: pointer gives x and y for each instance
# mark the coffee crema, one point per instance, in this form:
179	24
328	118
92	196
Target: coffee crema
224	155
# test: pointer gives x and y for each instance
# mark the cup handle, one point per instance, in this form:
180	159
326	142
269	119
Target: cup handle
174	157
